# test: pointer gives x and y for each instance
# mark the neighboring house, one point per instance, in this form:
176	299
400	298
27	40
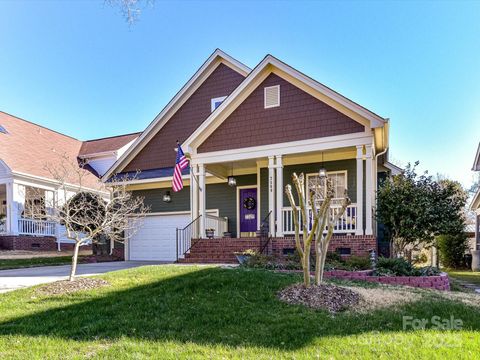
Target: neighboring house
475	205
246	131
25	181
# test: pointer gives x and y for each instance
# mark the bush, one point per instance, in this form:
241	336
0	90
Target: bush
358	263
395	267
429	271
451	249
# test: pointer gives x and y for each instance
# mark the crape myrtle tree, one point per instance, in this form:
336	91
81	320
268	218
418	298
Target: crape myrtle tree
417	208
90	210
314	222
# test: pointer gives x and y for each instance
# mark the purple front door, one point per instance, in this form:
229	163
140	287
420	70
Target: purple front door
248	210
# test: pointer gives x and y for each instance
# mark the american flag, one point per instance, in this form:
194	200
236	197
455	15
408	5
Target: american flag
180	164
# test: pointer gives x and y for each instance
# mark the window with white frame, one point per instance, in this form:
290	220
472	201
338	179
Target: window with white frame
216	102
339	179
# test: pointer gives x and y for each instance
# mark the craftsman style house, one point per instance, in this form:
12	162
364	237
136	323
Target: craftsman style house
246	131
28	153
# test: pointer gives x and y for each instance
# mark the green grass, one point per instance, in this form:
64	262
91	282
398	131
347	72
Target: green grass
41	261
466	276
172	312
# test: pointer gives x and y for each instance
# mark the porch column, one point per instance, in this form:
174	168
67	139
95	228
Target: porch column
368	191
194	196
271	194
279	187
477	231
202	198
359	225
9	224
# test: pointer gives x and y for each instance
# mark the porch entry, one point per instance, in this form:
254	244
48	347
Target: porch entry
248	211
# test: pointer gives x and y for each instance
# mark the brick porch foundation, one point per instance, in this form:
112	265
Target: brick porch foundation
222	250
33	243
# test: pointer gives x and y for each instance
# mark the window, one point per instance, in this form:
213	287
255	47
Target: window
272	96
216	102
3	130
339	179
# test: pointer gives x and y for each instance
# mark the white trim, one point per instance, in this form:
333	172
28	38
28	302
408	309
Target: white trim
176	102
475	204
265	89
271	194
279	195
394	169
210	124
476	164
359	225
238	204
98	154
293	147
369	190
216	100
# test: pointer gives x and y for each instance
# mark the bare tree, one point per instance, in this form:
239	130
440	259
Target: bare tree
316	222
88	208
130	9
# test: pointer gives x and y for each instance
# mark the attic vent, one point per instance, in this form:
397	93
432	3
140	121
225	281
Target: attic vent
3	130
272	96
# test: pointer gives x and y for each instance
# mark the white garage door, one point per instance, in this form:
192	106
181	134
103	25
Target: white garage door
155	239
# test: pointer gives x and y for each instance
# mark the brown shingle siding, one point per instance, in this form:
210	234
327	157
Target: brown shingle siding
300	116
158	153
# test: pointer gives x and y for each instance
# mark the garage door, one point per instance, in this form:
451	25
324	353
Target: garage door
155	238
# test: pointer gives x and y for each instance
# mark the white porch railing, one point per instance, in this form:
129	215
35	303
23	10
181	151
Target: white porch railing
3	227
36	227
219	224
345	224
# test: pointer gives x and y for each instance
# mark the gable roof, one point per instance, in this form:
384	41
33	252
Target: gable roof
27	147
214	60
106	145
476	163
265	67
475	201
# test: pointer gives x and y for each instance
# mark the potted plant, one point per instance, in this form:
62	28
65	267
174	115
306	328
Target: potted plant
210	233
243	256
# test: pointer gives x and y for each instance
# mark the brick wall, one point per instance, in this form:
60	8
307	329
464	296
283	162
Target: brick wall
358	245
22	242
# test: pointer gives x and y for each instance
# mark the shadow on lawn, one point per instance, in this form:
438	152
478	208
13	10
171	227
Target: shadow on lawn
214	306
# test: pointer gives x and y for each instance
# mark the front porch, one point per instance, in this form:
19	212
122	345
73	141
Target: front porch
18	229
255	204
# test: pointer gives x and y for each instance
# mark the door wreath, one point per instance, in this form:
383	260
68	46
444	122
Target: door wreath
249	203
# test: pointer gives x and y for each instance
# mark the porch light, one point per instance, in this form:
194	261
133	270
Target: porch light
232	181
166	197
322	173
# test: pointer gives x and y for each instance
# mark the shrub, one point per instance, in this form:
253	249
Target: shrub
451	249
395	267
429	271
358	263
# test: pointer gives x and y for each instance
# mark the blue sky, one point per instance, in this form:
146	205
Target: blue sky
76	66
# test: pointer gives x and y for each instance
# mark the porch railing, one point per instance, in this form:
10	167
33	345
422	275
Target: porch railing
3	227
184	236
345	224
36	227
218	224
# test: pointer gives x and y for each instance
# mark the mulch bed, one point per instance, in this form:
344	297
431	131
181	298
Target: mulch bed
68	287
328	297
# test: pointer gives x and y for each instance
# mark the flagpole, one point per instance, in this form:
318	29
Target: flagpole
191	168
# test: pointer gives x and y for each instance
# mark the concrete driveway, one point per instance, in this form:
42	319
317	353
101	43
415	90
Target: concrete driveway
20	278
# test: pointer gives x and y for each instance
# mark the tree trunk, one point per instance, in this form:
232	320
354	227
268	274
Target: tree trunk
306	266
74	262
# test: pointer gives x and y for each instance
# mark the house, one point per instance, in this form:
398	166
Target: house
246	131
475	207
26	181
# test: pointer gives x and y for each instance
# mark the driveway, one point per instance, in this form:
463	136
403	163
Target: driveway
20	278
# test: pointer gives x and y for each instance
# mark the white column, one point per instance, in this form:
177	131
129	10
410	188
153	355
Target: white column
194	198
368	191
477	231
10	213
202	199
359	227
279	188
271	193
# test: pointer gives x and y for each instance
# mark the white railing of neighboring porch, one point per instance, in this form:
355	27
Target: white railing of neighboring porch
345	224
3	227
219	224
36	227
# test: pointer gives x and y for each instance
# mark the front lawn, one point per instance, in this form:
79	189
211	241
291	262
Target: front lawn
171	312
39	261
465	276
